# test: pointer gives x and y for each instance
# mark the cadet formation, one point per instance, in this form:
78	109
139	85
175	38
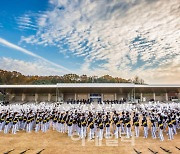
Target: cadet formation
152	119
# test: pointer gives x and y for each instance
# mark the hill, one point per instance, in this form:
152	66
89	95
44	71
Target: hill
8	77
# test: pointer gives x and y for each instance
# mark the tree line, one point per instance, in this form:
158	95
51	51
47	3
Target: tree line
8	77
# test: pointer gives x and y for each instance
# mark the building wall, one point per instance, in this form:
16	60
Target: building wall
108	96
105	96
80	96
148	96
160	97
120	96
30	97
1	97
69	96
17	98
178	96
53	98
43	97
11	97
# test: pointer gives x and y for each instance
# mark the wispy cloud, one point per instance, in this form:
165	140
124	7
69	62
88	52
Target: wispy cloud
18	48
28	68
26	22
131	37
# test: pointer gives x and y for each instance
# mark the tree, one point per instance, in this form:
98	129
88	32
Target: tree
138	80
7	77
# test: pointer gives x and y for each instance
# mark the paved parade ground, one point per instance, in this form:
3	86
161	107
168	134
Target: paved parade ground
55	142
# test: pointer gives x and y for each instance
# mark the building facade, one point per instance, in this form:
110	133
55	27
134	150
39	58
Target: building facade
92	91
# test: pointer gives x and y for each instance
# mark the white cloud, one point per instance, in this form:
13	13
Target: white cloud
25	22
13	46
42	20
28	68
132	37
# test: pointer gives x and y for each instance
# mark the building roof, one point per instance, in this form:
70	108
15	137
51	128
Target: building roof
95	85
79	85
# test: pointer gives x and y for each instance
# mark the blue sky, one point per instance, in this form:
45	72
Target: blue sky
123	38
